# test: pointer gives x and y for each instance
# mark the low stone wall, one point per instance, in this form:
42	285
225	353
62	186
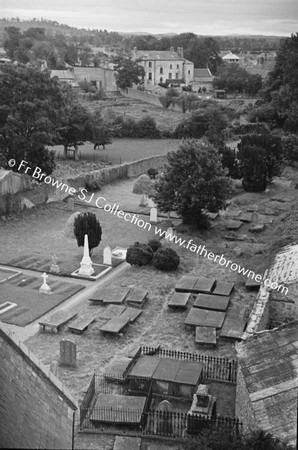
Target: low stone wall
143	96
41	194
244	411
259	316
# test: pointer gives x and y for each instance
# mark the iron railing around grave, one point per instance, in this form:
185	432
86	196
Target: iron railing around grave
214	368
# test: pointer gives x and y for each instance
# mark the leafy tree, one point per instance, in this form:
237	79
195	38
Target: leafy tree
229	160
139	254
233	78
290	147
128	72
146	128
154	244
87	223
30	114
166	259
273	152
12	40
193	180
253	169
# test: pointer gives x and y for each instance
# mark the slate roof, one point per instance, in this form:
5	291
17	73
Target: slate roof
269	363
158	55
230	56
202	73
63	74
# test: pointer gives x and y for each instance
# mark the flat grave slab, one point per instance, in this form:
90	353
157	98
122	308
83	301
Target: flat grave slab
118	369
80	325
233	326
212	302
116	297
179	300
136	297
203	317
131	313
115	325
266	219
111	311
233	225
244	217
186	284
127	443
222	288
204	285
257	228
282	198
114	408
252	208
234	213
205	335
252	284
56	321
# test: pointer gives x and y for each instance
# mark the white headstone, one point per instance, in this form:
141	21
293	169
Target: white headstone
169	233
86	263
151	203
153	215
45	288
107	256
68	353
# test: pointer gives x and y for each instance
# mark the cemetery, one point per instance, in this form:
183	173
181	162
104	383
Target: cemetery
141	344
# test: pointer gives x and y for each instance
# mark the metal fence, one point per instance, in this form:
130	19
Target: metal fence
214	368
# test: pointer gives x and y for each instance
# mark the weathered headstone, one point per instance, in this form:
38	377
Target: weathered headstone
153	215
54	368
107	256
169	234
86	263
45	288
68	353
54	266
70	203
255	217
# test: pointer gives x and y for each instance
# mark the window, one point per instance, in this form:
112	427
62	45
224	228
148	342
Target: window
149	76
170	76
177	66
161	70
189	72
171	66
161	79
177	75
150	64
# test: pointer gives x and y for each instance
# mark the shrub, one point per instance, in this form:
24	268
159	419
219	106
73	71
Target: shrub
146	128
253	168
229	161
166	259
290	147
87	223
152	173
154	244
139	254
86	86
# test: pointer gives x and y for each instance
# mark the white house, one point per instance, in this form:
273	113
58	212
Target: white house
164	66
231	58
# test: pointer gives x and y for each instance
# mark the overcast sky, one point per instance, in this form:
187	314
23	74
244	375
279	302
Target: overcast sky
213	17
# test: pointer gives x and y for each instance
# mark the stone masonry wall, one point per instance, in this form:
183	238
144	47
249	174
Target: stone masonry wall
243	409
35	412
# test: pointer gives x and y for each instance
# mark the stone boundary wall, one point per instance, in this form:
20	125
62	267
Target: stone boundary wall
143	96
44	193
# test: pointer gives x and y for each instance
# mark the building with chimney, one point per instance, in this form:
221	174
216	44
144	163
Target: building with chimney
164	66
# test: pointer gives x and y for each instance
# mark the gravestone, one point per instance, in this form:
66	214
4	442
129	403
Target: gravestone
254	217
68	230
86	268
70	203
54	266
153	215
107	256
68	353
151	203
45	288
54	368
169	234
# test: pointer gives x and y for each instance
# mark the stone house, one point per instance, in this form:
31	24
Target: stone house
37	411
101	77
203	78
65	76
231	58
164	66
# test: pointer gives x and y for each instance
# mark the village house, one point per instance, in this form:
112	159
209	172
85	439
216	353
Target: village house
203	79
164	66
231	58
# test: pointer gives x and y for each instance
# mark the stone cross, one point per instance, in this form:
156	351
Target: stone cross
68	353
169	233
86	263
44	288
107	256
153	215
